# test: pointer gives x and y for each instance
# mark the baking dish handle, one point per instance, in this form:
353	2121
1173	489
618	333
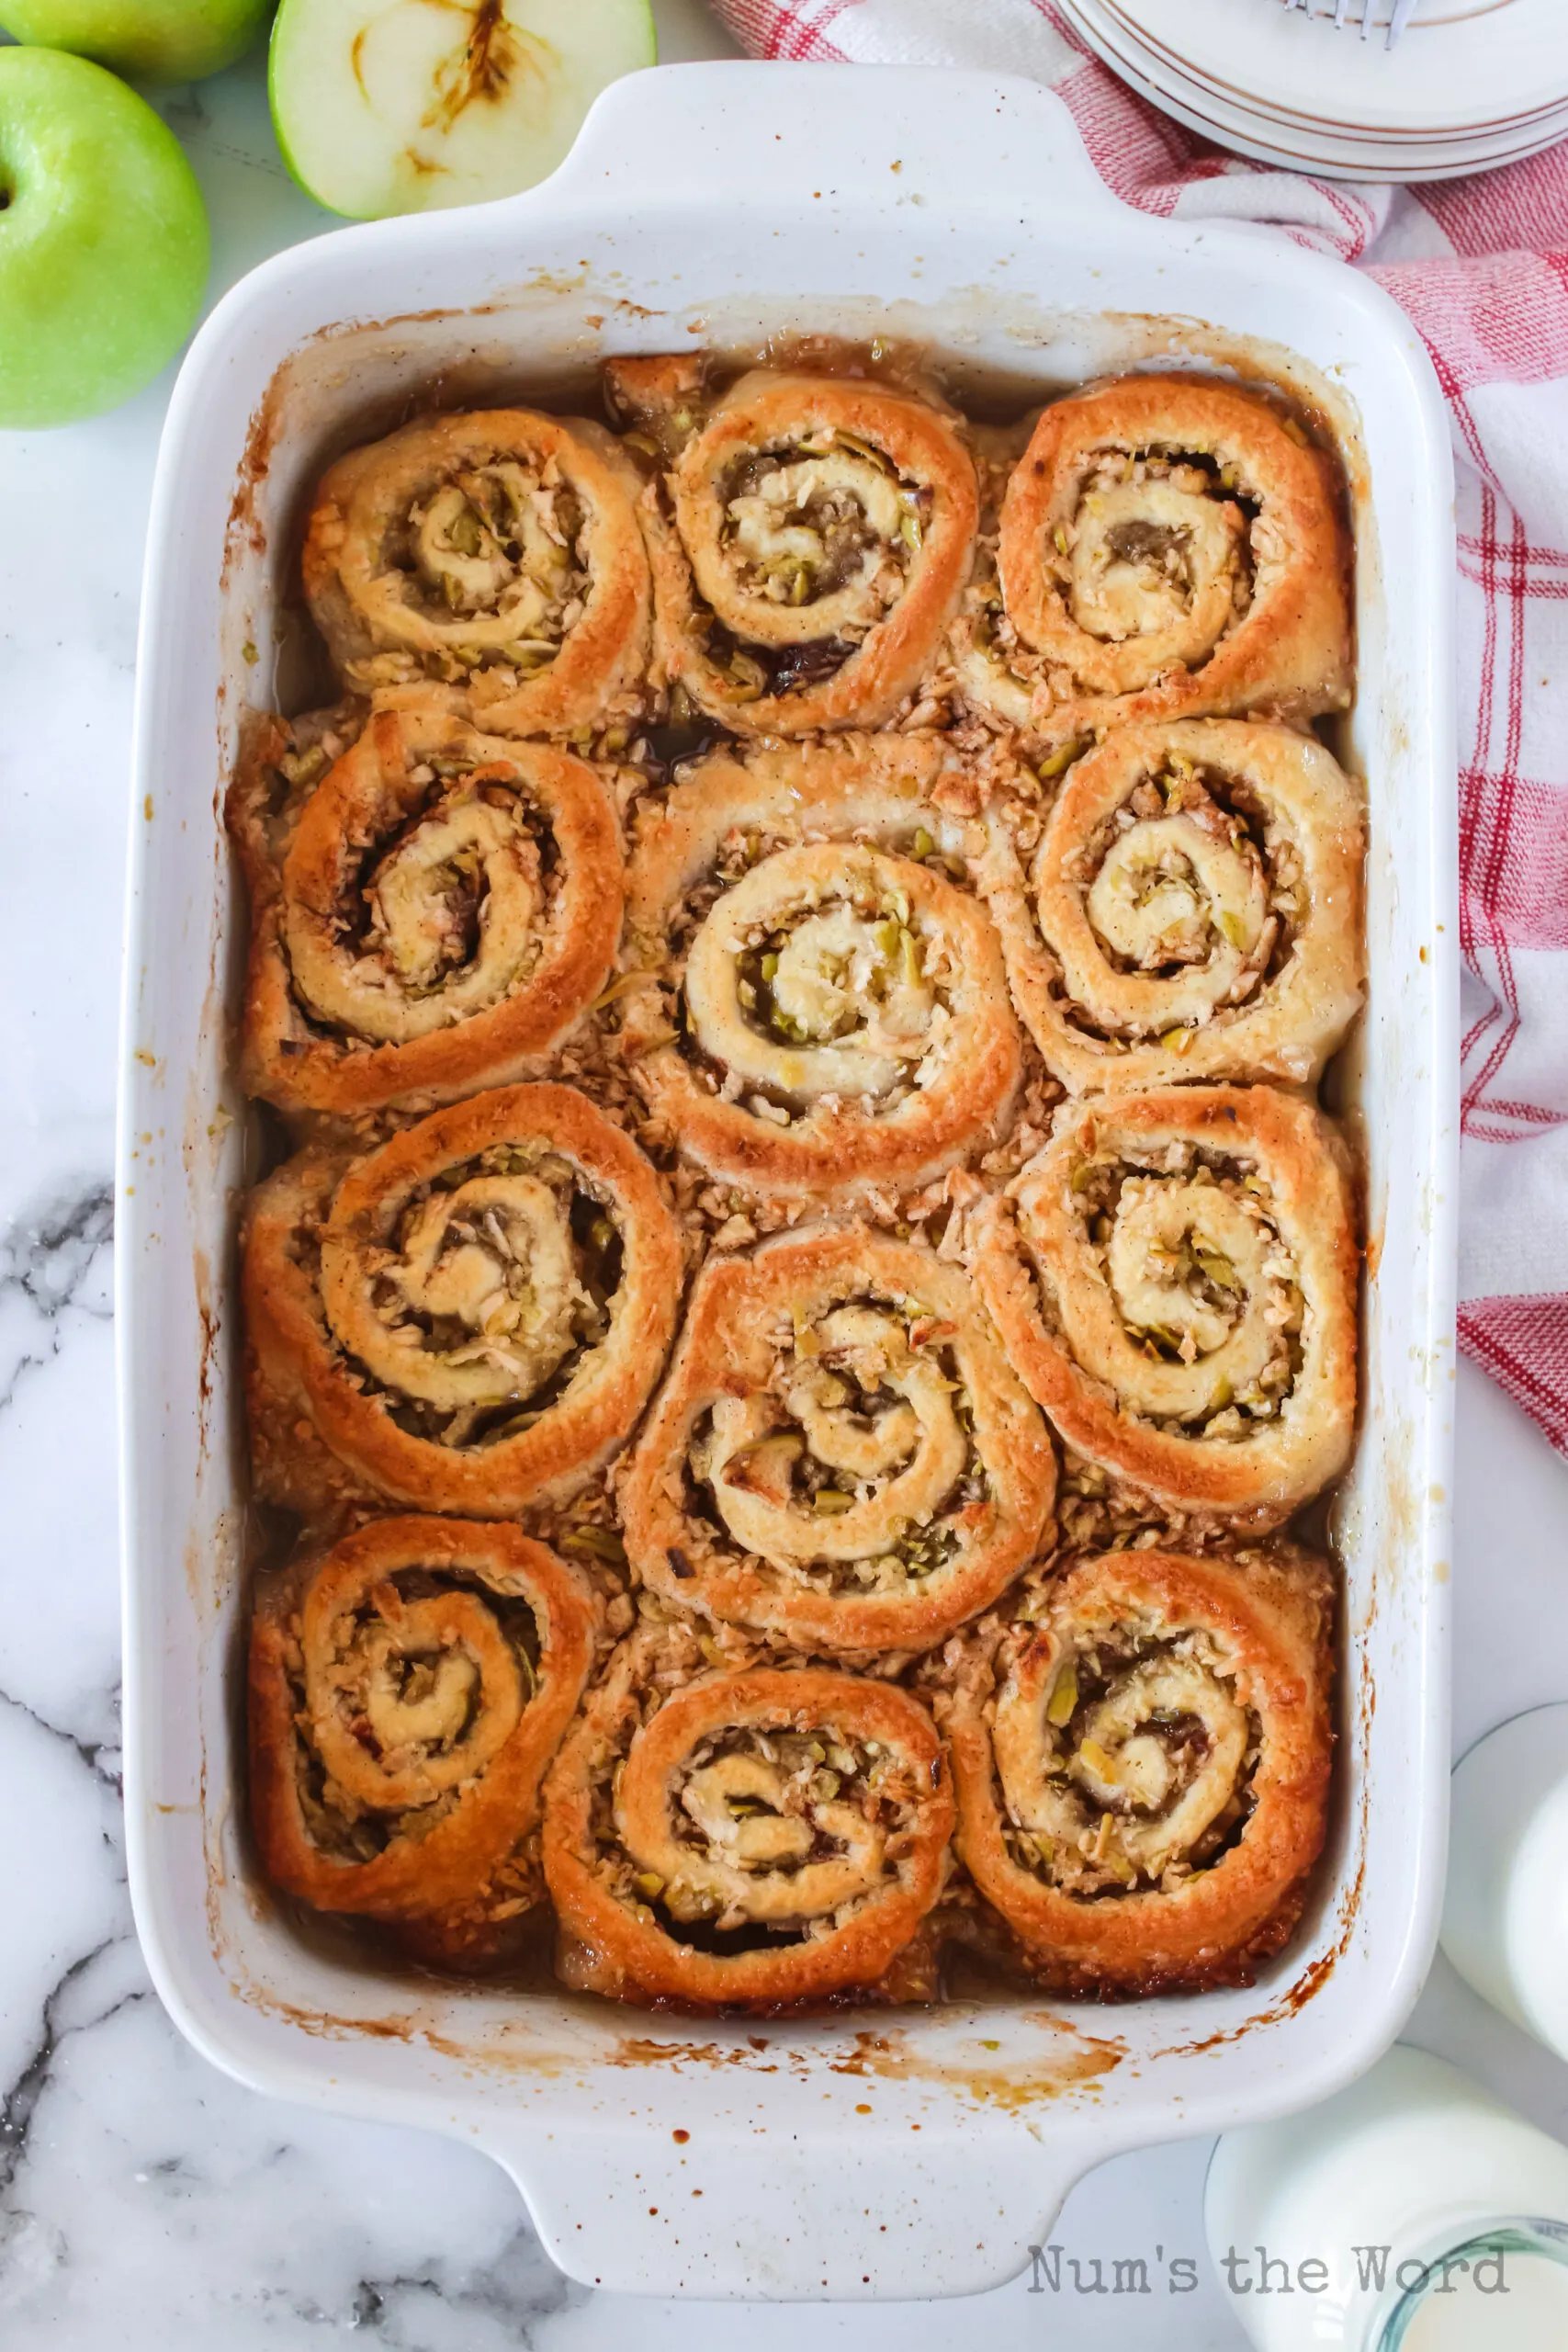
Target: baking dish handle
912	136
773	2214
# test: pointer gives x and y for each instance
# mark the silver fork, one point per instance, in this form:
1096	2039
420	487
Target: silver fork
1402	11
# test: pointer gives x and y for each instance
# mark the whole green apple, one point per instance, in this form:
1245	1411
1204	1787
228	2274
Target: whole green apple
103	240
148	41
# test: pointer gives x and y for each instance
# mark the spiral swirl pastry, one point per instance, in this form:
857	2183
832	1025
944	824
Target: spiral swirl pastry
749	1840
1141	1752
841	1456
495	557
1167	547
469	1318
407	1690
824	1012
1174	1276
435	915
1193	908
809	544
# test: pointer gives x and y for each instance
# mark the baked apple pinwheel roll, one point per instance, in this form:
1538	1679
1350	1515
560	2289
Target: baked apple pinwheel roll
1167	547
432	913
469	1318
1174	1275
407	1690
820	1013
750	1840
1192	908
808	543
842	1457
1142	1749
495	557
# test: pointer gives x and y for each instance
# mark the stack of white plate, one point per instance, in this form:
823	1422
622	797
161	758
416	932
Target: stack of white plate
1471	85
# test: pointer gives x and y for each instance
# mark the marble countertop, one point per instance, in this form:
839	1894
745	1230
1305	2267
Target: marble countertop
146	2200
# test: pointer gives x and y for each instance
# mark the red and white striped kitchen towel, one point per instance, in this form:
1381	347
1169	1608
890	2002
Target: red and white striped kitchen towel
1482	266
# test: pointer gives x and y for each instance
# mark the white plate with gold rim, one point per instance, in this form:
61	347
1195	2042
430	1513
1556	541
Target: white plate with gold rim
1299	125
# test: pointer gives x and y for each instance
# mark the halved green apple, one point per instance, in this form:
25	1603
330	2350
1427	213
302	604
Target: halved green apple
400	106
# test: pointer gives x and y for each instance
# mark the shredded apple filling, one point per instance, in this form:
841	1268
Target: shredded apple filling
423	1685
856	1464
804	991
500	539
1126	1764
1157	544
440	922
1176	876
493	1283
1186	883
815	546
783	1831
1205	1288
498	549
1158	541
819	520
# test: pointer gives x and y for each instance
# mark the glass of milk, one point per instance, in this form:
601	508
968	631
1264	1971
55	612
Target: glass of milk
1413	2212
1505	1914
1511	2295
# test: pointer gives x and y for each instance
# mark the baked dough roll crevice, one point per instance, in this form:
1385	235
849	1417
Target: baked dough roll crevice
493	558
824	1008
1142	1749
842	1458
434	914
1167	546
1192	908
753	1840
809	542
469	1318
408	1688
1174	1276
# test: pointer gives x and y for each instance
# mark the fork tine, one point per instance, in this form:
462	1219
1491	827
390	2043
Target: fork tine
1400	14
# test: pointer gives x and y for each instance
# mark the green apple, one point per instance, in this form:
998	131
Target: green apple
103	240
398	105
148	41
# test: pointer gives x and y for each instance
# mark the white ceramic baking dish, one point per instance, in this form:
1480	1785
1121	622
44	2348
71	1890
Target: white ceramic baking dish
872	2154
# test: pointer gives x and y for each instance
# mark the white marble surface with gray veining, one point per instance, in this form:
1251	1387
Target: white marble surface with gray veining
147	2202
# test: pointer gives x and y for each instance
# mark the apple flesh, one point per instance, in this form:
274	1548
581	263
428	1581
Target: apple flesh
400	105
147	40
103	240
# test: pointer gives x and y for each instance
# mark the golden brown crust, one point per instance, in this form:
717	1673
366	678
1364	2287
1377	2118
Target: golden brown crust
1167	548
407	1690
1174	1276
1193	908
810	593
492	559
436	915
838	1361
683	1818
1143	1764
380	1296
880	1048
